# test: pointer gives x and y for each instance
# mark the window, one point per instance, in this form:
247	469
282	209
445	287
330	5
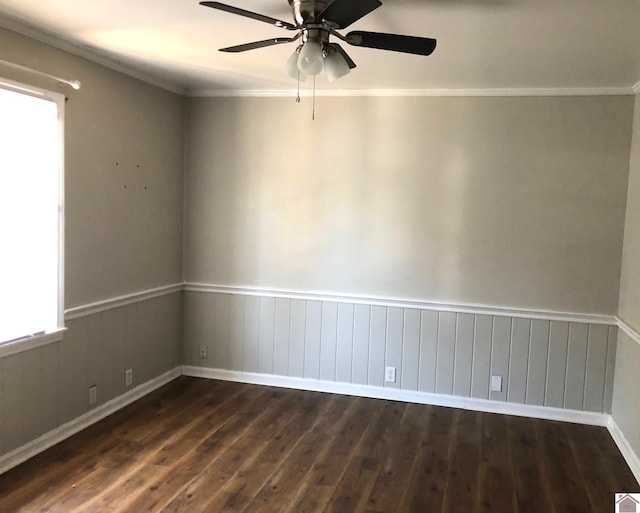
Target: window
31	217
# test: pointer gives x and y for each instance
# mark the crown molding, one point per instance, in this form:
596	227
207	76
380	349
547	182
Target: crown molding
92	54
499	92
100	57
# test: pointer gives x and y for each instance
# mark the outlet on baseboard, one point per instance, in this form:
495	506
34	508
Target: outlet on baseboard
496	383
128	377
390	374
93	395
204	351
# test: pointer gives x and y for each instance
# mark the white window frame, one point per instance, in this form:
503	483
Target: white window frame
53	335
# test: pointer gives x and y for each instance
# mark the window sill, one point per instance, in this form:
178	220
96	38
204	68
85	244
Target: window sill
27	343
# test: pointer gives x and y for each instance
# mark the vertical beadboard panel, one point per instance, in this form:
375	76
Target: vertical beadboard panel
463	355
236	332
296	337
410	349
93	344
481	368
147	343
49	386
107	376
196	328
13	414
596	367
219	350
282	333
612	343
538	354
66	371
312	340
344	349
251	339
328	341
557	364
266	335
428	351
446	352
136	322
119	348
2	408
377	345
393	353
360	360
576	366
31	398
500	347
519	360
82	381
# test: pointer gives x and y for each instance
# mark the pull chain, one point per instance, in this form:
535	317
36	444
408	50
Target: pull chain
313	112
298	96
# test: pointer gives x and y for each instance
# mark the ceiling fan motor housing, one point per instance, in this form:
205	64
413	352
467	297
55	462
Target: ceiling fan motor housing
307	11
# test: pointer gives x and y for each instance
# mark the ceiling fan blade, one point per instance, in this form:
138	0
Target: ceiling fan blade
258	44
346	12
392	42
346	57
249	14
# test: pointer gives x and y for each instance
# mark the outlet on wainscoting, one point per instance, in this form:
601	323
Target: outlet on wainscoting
204	351
128	377
390	374
93	395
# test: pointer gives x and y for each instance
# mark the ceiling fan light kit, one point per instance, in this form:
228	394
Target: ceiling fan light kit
315	21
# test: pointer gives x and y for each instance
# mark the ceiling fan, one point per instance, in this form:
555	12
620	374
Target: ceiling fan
315	21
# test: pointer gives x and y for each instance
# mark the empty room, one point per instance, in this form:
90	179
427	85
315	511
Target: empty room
320	256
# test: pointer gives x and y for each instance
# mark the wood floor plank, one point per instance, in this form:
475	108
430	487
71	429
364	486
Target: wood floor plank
464	455
201	446
496	487
426	486
566	487
531	482
397	463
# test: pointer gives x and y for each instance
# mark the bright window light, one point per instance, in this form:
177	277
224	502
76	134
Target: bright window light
30	213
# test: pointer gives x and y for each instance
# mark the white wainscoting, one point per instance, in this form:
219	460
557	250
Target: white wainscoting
563	361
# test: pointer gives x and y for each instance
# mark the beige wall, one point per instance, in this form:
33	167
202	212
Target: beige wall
118	240
627	370
505	201
630	280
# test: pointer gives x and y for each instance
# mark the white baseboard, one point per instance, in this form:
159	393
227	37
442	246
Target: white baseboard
72	427
625	448
21	454
394	394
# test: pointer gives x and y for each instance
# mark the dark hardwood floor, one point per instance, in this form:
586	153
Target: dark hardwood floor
197	445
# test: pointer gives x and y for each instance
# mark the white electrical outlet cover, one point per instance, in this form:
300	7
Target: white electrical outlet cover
496	383
390	374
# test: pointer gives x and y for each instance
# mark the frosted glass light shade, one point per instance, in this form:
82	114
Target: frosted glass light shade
292	68
335	66
310	58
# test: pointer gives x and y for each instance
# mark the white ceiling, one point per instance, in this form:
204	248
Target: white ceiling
482	44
